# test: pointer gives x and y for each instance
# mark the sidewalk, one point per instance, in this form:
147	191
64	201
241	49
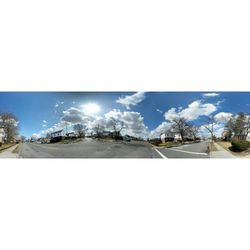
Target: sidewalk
221	152
7	153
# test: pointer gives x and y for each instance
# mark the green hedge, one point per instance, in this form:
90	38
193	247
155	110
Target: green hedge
239	146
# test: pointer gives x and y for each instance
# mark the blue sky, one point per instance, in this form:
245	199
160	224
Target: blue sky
38	111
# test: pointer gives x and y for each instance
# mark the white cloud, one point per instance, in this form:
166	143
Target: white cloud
133	122
75	115
223	117
129	100
58	103
44	125
210	95
35	136
171	114
47	131
44	121
160	111
72	115
192	112
162	128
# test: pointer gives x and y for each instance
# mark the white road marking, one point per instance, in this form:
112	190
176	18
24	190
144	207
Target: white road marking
188	152
162	155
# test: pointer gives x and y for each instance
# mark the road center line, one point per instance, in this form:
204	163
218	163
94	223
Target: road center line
188	152
162	155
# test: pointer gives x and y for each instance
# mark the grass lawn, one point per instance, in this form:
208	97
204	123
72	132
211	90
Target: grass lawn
6	145
106	139
226	145
69	141
64	142
169	144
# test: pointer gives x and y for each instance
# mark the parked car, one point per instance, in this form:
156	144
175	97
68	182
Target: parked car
126	138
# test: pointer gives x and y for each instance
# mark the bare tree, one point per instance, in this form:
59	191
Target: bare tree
98	130
227	134
9	123
247	125
239	126
48	136
194	131
117	126
209	126
23	138
181	126
79	129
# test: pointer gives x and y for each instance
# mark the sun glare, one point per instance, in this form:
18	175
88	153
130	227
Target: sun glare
91	108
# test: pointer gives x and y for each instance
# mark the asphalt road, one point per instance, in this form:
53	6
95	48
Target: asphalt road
89	148
193	150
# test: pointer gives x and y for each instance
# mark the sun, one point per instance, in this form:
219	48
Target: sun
91	108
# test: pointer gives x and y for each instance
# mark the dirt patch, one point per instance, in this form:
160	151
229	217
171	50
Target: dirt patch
212	147
16	149
169	144
225	144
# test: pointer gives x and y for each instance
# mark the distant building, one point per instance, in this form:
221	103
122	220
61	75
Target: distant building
57	133
57	136
103	134
71	135
106	133
248	137
177	137
169	136
127	138
2	135
229	135
163	137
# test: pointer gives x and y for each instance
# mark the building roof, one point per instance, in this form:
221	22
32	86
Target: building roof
58	131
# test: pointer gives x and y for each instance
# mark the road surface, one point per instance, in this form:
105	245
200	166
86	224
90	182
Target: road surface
192	150
89	149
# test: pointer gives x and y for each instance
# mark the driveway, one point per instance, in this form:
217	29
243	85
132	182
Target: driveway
192	150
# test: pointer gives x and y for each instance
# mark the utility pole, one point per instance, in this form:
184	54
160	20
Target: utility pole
66	128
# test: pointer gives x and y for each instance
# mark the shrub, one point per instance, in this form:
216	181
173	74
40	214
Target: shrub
1	144
156	142
239	146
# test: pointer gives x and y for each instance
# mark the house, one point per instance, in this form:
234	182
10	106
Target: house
103	134
57	136
244	135
187	137
128	138
106	133
167	137
177	137
2	135
71	135
248	137
58	133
